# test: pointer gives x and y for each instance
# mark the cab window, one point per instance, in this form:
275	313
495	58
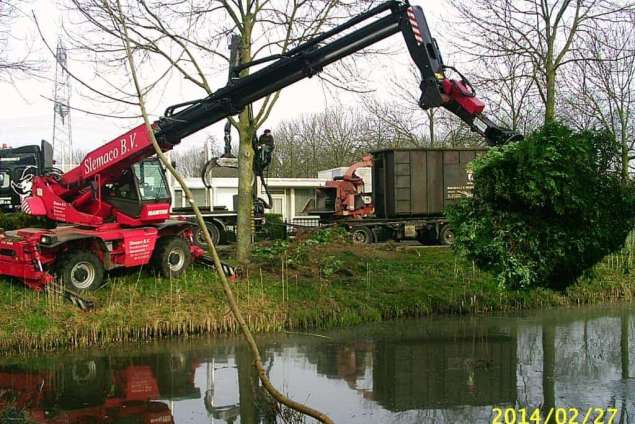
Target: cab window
124	188
151	180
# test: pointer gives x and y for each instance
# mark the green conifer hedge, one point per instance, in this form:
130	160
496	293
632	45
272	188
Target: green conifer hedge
545	209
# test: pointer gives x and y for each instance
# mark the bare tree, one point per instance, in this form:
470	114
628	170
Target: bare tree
191	160
340	136
406	125
14	61
77	155
509	93
403	125
601	92
543	33
310	143
186	40
405	108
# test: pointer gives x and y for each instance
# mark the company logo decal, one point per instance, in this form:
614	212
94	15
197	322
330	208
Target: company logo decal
125	146
22	187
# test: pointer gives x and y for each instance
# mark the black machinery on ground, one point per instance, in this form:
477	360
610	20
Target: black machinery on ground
18	166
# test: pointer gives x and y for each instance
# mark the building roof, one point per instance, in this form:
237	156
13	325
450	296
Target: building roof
295	182
225	172
223	182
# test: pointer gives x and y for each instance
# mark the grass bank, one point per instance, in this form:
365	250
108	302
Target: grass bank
316	282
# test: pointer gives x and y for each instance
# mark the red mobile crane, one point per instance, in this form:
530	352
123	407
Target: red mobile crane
113	209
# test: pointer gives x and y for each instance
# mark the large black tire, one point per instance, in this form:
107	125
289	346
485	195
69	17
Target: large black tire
199	237
81	271
171	256
362	235
446	235
84	381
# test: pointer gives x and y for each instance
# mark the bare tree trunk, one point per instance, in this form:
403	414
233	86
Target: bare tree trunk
245	159
625	156
245	188
550	94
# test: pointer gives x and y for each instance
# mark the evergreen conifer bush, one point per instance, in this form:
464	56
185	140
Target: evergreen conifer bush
546	209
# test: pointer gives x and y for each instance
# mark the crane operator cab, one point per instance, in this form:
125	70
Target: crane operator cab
140	193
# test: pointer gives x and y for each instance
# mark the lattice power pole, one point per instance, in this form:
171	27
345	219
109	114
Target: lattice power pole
62	133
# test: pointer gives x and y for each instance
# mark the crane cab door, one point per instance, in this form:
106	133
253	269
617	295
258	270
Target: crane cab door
141	192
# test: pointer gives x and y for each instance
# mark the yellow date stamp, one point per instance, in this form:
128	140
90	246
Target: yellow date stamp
554	416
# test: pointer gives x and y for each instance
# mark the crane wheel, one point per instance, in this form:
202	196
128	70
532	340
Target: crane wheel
446	235
199	237
84	372
172	256
361	235
81	271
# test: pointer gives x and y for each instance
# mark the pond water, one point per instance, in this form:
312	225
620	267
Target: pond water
436	370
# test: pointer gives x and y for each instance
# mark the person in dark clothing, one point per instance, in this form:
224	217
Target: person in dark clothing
266	139
264	150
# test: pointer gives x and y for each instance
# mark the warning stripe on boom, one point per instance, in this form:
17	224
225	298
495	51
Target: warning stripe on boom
25	206
414	25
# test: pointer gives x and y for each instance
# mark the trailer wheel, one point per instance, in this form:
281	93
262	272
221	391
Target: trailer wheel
446	235
172	256
81	271
361	235
199	237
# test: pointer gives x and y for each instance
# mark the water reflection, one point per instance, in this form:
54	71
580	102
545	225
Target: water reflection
449	370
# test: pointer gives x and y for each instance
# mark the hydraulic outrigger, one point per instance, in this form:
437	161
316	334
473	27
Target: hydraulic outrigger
113	210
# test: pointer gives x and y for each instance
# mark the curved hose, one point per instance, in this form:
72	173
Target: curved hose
264	184
206	174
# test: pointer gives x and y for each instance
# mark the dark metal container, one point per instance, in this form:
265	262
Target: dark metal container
420	182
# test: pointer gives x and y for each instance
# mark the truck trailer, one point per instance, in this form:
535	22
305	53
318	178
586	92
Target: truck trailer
410	190
220	222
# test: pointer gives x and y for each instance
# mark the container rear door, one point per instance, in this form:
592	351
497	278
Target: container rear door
435	182
379	184
402	183
419	173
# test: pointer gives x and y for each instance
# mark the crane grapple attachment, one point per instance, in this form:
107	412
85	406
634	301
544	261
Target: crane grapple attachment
425	53
457	96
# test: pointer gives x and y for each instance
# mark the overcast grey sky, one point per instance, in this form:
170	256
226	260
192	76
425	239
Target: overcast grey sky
26	117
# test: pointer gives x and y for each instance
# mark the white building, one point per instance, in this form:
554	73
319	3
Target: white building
290	196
